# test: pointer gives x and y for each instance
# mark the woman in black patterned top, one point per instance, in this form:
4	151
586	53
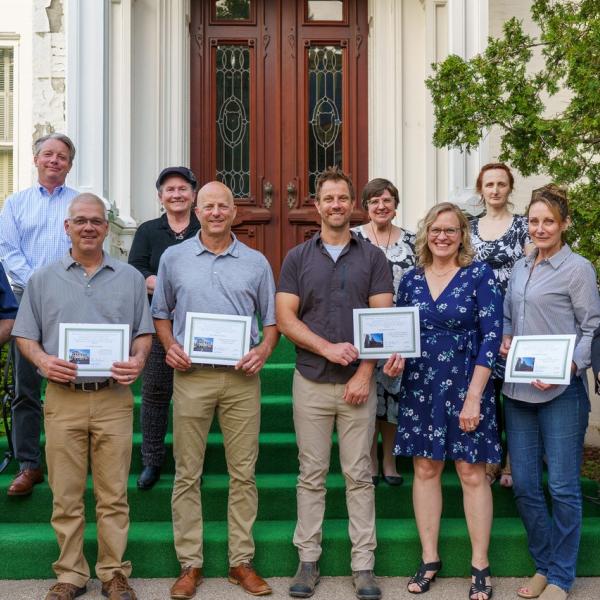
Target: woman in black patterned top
499	238
380	199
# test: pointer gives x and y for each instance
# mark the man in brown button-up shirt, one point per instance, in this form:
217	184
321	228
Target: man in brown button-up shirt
322	281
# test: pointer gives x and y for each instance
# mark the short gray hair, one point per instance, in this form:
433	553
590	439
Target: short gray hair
88	198
61	137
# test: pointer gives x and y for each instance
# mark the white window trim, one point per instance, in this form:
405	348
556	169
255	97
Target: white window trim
12	40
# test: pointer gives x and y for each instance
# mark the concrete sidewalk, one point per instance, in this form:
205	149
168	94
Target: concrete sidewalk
330	588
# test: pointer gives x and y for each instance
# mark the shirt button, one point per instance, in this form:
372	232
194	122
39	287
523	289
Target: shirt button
89	285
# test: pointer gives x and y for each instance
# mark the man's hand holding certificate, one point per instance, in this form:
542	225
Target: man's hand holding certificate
382	332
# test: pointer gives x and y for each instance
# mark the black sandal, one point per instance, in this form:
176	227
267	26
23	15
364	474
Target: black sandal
479	586
420	579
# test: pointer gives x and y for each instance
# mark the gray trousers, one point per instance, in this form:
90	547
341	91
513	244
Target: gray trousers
26	408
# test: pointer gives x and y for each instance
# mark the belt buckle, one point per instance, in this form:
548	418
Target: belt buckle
93	388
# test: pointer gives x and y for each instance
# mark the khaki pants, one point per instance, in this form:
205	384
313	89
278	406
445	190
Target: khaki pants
236	398
317	406
98	424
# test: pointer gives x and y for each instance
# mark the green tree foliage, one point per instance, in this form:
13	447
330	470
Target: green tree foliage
500	88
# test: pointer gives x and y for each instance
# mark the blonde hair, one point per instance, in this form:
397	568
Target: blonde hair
466	254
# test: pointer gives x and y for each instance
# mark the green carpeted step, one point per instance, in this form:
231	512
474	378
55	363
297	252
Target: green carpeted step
277	499
276	415
29	551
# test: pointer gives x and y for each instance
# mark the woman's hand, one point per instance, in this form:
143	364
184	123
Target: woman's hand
543	387
394	365
468	419
505	346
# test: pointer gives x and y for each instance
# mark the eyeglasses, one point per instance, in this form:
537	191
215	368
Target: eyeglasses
82	221
387	202
449	231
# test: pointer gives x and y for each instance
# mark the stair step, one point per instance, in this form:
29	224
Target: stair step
398	551
277	499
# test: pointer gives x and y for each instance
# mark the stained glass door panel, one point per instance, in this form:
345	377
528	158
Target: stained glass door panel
278	93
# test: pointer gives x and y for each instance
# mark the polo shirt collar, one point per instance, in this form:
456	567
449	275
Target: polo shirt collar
107	261
233	248
556	260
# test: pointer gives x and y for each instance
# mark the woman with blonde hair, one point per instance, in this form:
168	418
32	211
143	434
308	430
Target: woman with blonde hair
447	407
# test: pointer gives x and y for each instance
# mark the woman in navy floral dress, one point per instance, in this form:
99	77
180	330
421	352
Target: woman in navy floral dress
447	407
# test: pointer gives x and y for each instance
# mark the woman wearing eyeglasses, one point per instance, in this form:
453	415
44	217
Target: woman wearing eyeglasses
380	199
447	407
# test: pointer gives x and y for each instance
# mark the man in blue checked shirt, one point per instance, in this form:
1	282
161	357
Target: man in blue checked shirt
32	235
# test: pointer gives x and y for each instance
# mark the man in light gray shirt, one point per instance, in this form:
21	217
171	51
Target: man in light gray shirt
215	273
87	415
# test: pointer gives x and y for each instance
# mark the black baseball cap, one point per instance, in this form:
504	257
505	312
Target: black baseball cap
184	172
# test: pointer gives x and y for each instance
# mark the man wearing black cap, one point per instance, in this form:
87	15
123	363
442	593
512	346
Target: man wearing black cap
176	192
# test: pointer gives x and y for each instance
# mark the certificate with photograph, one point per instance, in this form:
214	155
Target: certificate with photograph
216	339
544	357
93	347
380	332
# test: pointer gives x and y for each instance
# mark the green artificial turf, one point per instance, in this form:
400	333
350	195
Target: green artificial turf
29	546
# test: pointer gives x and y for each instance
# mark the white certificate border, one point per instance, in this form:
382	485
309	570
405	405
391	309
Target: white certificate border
363	352
565	379
206	357
63	334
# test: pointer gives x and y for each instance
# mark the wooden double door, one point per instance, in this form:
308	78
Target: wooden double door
278	93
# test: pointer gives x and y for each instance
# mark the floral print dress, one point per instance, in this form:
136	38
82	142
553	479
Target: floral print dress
401	257
459	330
501	254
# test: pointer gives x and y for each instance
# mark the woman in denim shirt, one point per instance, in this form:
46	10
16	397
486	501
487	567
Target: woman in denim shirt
551	291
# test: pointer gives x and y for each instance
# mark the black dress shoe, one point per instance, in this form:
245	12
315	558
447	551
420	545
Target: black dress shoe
393	479
148	477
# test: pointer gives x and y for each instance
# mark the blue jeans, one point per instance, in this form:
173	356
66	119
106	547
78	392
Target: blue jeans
556	430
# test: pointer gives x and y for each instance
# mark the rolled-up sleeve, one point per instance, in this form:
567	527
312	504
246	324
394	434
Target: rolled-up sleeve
586	307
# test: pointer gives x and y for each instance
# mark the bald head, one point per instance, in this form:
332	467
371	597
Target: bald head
87	198
215	189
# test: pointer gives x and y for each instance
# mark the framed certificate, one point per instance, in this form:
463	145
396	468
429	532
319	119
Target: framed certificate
379	332
93	347
216	339
544	357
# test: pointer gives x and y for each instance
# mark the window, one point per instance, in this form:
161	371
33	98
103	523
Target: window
6	121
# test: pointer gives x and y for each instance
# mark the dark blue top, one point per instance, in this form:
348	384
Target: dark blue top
8	302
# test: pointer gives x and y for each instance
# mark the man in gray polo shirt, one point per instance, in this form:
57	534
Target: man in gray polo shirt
86	415
215	273
322	281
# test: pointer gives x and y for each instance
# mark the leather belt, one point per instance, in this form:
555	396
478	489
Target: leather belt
211	366
90	386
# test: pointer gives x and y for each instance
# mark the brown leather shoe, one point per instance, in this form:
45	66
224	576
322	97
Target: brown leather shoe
118	588
22	484
64	591
249	579
187	582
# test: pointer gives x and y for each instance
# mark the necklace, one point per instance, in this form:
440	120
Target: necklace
442	274
377	241
180	235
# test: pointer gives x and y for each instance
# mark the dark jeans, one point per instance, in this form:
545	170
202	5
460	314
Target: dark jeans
554	430
157	389
26	409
